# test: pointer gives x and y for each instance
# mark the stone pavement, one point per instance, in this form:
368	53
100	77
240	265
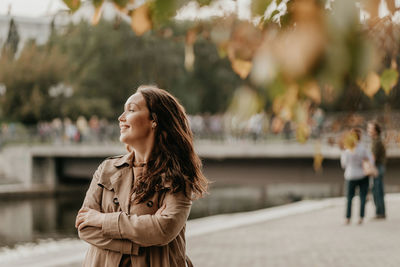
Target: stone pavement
312	238
306	233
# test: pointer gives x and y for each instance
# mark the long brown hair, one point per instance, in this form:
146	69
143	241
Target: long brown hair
173	158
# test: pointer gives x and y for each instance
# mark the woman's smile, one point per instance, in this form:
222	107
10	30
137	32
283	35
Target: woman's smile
123	127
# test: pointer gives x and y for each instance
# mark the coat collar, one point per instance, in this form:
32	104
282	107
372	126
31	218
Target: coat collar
126	159
121	180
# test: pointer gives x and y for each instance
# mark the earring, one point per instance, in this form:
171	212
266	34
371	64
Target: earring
153	125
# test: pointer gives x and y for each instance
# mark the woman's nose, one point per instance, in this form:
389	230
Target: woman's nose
121	117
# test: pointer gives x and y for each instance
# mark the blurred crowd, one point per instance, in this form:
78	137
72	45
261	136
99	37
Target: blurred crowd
61	131
223	127
258	127
217	127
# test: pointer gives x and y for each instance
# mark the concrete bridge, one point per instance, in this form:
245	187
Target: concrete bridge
258	163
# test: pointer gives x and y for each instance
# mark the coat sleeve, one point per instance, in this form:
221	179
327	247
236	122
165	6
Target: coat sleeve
94	235
150	230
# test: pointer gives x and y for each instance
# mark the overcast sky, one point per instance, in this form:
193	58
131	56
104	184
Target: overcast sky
37	8
30	8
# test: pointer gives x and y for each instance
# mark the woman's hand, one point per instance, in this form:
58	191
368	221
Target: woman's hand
89	217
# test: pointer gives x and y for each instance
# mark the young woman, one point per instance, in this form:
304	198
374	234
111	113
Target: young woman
136	208
351	160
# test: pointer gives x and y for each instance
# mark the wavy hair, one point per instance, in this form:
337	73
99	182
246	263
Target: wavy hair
173	158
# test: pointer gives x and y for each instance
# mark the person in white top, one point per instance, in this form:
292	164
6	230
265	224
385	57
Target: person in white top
351	160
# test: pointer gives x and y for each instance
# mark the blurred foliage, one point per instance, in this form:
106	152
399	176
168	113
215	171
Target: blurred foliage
320	48
28	79
103	65
292	56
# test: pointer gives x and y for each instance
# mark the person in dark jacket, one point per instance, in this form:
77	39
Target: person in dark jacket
379	153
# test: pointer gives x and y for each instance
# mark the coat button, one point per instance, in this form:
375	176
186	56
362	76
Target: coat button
150	204
115	201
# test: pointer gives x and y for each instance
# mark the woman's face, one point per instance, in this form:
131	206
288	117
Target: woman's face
135	124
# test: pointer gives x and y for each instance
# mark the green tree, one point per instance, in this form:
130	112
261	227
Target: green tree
27	80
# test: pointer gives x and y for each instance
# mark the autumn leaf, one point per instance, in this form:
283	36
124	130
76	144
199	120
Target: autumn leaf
318	158
283	105
241	67
245	103
140	20
222	53
302	133
97	15
312	91
389	79
73	4
370	85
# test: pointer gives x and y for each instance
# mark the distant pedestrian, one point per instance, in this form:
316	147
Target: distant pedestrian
135	211
351	160
379	154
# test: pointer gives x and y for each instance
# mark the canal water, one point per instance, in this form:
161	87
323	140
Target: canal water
34	220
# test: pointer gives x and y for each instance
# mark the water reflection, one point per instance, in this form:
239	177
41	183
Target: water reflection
35	219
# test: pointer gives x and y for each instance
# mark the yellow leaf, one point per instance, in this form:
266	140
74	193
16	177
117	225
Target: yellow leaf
389	78
97	15
283	105
318	158
313	91
241	67
222	50
302	133
73	4
140	20
371	84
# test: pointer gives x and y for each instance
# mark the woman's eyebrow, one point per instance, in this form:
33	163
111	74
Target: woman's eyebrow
131	104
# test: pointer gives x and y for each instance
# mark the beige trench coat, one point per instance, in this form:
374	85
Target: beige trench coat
151	239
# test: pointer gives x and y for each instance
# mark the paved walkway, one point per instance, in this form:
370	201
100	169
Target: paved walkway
317	237
307	233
